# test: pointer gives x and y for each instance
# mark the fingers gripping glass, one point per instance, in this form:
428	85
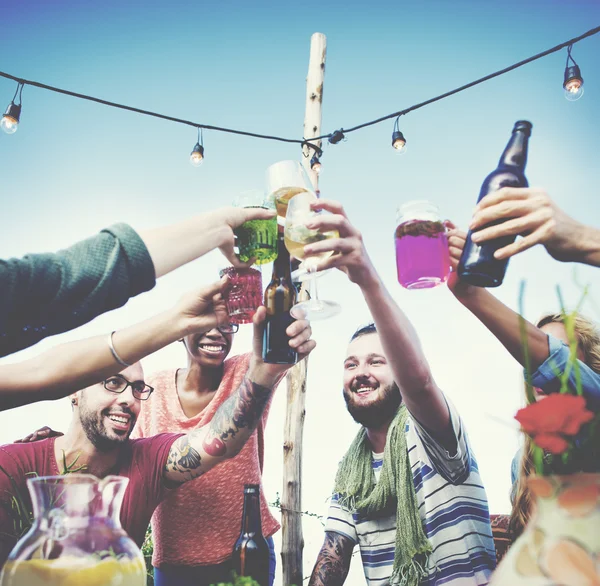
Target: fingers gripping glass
118	384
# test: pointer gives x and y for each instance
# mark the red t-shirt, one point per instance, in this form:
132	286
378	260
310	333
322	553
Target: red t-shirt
142	461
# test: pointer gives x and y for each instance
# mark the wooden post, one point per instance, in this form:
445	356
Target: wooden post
291	502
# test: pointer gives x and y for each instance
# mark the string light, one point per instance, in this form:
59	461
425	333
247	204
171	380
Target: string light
10	120
398	140
197	155
315	164
573	83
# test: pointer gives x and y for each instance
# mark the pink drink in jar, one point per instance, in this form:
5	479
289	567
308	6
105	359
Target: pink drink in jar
244	295
422	256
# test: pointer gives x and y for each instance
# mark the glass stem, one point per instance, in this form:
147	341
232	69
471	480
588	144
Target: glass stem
312	282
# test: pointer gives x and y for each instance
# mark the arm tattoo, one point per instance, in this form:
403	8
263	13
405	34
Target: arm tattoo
242	410
183	458
333	562
240	413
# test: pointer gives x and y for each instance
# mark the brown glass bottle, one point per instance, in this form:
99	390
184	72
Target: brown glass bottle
251	551
280	297
477	264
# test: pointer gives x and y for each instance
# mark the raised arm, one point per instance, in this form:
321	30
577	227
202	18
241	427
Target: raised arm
530	213
177	244
400	342
46	294
76	365
500	319
333	561
236	419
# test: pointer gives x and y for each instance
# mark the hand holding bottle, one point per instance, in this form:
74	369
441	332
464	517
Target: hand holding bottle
456	244
530	213
299	339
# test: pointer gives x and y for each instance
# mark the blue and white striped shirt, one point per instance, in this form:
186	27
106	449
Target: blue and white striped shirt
452	505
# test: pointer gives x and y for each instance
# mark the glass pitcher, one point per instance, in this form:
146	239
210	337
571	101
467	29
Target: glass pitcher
76	537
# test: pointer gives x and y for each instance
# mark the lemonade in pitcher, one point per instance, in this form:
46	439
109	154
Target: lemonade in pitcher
74	571
76	538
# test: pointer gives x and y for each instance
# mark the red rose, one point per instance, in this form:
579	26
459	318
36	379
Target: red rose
551	442
556	414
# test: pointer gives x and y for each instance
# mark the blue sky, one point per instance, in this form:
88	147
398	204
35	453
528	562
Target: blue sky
74	167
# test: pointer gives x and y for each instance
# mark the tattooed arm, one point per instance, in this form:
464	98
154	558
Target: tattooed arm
222	438
237	418
333	561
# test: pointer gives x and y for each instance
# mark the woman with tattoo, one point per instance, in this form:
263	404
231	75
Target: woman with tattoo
200	553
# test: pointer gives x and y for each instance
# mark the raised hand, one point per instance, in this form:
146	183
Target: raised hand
351	257
456	244
530	213
299	333
229	218
203	309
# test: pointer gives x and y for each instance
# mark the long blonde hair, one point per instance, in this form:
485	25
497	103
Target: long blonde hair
588	342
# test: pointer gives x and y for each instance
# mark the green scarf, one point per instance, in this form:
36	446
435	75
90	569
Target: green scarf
357	490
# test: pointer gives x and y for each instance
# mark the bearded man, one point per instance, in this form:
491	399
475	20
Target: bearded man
408	490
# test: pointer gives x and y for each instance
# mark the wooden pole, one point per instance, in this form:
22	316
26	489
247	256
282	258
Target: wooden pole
291	502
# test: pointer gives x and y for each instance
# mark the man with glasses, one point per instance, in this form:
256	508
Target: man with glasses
98	439
187	398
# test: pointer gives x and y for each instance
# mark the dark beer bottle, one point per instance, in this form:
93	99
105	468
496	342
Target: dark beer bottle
477	264
251	551
280	297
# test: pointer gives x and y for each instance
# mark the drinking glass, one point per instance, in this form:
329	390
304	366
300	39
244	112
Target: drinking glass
296	237
422	255
285	179
244	295
256	239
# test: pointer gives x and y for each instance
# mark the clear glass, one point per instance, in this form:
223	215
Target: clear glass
9	125
256	239
286	179
76	536
296	237
573	90
245	294
422	255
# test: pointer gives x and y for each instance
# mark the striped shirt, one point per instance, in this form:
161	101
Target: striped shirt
453	508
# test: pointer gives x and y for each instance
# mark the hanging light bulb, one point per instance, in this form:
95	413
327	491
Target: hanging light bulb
398	140
573	83
10	120
315	164
197	155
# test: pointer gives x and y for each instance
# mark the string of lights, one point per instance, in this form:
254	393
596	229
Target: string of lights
572	85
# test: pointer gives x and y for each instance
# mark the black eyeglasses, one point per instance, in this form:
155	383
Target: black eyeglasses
118	384
229	328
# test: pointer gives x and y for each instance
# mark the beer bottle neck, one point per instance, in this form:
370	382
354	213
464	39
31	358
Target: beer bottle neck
251	522
515	153
281	265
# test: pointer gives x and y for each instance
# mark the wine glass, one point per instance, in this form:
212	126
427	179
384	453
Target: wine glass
286	179
296	237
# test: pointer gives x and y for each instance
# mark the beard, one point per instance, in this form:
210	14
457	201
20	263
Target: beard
378	412
95	430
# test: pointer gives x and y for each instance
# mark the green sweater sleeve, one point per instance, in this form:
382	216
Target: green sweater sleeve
46	294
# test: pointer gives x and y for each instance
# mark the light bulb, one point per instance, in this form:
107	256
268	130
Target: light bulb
10	120
9	124
573	84
398	141
197	155
573	89
315	164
